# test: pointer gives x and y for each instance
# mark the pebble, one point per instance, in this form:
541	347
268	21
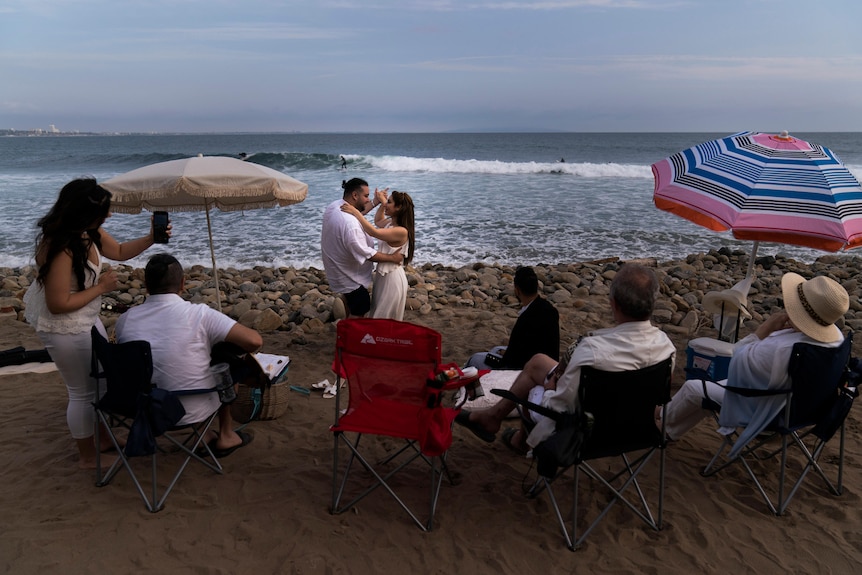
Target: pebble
300	301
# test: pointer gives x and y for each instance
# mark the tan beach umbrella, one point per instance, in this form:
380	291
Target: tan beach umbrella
200	183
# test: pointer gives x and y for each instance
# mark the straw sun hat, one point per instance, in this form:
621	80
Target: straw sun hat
733	301
814	305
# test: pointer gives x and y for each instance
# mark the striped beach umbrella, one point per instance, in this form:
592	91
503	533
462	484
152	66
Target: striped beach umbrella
764	187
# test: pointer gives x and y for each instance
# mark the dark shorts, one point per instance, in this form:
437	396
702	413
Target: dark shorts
358	301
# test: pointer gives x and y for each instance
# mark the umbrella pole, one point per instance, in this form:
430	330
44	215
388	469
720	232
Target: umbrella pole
748	274
212	255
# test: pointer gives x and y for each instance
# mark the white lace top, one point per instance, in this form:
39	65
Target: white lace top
78	321
384	268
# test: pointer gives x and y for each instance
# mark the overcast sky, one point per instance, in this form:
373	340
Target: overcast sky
434	65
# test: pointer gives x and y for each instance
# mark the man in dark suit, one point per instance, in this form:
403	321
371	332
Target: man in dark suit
537	329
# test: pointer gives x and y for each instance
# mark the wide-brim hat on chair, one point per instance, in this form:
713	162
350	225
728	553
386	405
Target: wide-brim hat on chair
815	305
732	299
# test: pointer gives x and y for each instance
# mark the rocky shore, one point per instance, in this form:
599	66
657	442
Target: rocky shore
298	305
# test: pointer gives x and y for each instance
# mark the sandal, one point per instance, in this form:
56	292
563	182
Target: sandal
508	436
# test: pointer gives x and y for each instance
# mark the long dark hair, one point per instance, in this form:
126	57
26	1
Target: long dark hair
81	207
403	217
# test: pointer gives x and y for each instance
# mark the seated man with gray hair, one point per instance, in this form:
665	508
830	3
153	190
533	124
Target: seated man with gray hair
632	343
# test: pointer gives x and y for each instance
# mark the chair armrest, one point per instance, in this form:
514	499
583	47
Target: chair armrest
458	383
540	409
712	405
199	391
749	392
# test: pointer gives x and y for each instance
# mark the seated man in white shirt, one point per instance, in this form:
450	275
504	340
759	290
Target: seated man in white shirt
181	335
632	343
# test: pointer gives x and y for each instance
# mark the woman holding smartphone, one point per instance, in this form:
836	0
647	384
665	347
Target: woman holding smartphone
64	301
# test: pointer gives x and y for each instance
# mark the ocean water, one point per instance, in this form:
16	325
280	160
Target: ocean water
494	198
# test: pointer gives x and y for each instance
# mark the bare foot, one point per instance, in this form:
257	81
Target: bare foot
210	436
107	445
488	423
106	461
228	440
515	440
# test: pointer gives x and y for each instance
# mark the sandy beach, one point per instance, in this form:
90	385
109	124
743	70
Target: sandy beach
269	512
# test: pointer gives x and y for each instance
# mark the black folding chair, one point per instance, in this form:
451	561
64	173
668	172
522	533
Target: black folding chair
817	405
618	419
132	403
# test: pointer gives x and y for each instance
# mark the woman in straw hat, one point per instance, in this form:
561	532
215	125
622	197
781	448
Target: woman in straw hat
760	360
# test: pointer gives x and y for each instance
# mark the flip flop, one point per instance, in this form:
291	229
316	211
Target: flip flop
321	385
219	453
508	436
463	418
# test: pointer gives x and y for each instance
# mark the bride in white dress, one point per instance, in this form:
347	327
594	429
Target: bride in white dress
394	228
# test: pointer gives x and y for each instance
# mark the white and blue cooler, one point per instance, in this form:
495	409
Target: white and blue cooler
708	358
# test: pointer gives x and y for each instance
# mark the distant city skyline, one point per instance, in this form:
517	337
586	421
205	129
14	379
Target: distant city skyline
430	66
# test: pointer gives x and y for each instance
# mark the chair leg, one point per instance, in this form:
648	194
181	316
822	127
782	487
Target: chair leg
784	495
188	446
190	454
840	487
662	454
338	492
559	515
812	462
709	470
437	471
631	470
438	467
105	479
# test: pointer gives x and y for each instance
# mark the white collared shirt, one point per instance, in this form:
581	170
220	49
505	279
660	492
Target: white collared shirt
346	250
181	335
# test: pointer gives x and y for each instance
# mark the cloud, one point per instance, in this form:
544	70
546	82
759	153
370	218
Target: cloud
460	6
717	69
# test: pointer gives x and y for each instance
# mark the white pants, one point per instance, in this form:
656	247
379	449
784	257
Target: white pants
537	394
72	355
685	408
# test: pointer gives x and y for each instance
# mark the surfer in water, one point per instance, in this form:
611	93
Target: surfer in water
343	162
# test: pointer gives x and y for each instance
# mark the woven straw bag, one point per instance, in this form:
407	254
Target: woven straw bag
273	402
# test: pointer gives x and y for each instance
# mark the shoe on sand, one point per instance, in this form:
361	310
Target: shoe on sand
219	453
508	440
463	418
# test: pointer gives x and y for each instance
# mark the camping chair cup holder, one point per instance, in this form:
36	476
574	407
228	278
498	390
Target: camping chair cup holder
224	383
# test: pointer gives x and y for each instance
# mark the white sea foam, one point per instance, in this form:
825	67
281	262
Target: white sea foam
489	198
442	165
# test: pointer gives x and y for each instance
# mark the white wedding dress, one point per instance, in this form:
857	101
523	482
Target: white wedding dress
389	292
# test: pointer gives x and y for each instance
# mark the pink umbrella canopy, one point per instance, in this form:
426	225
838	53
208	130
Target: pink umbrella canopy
764	187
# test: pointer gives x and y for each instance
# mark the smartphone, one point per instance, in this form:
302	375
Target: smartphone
160	227
493	360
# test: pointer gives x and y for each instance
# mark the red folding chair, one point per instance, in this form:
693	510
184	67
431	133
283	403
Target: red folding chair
390	368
